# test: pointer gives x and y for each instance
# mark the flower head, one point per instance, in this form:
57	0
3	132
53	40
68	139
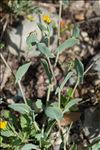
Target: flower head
46	19
3	124
30	17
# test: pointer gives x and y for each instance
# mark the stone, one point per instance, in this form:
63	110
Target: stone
96	66
92	123
96	7
77	6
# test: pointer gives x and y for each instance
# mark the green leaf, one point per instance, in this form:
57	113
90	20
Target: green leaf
69	92
42	27
49	128
25	121
29	147
31	40
16	142
21	108
7	133
71	103
79	68
1	139
1	45
95	146
94	142
46	67
44	50
67	44
54	113
66	2
38	104
76	32
21	72
65	80
73	147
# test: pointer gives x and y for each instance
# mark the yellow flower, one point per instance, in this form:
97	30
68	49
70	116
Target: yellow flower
3	124
30	17
46	19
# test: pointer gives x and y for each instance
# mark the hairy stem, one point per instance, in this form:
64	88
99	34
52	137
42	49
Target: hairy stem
50	65
77	82
23	94
60	12
48	94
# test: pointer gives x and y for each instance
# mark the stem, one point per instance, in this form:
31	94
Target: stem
48	94
36	126
20	86
48	36
5	62
56	59
75	86
59	98
66	139
51	69
60	12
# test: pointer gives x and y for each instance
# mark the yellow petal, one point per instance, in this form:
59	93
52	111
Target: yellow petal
3	124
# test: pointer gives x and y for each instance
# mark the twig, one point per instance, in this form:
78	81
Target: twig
5	62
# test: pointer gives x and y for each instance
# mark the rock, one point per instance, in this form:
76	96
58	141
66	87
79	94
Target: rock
84	34
92	123
17	36
96	66
96	7
77	6
80	16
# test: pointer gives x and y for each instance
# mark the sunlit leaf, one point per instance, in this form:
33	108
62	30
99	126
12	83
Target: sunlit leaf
65	2
79	68
21	71
68	76
76	32
21	107
69	92
41	26
54	113
71	103
67	44
46	67
7	133
31	40
44	50
24	121
29	147
38	104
